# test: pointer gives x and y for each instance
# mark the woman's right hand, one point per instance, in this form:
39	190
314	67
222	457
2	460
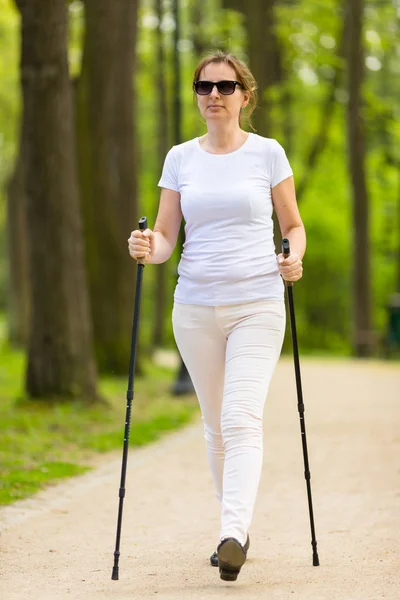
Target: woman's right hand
141	245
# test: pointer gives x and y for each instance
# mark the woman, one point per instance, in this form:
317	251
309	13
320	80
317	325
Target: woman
228	315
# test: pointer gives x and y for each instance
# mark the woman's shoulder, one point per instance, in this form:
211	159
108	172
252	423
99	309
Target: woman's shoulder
265	143
180	149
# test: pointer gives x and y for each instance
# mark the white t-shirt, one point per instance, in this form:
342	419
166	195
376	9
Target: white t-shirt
229	254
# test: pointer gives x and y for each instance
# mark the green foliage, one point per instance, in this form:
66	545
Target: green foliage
323	295
76	32
309	35
41	442
9	112
9	89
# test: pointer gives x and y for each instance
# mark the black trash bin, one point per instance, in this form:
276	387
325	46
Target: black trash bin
393	324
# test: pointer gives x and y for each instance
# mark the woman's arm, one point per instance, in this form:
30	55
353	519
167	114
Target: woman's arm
291	225
166	228
156	246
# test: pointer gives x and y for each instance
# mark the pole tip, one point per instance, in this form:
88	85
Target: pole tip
315	560
115	574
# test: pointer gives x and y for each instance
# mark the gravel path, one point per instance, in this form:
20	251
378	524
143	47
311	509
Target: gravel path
59	545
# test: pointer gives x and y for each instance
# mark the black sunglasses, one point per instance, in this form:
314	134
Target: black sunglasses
203	88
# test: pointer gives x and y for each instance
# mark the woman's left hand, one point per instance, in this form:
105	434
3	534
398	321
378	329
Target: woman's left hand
291	268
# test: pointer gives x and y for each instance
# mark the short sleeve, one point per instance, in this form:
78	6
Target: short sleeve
170	173
280	168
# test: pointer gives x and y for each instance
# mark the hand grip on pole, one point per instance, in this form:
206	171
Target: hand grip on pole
142	227
286	253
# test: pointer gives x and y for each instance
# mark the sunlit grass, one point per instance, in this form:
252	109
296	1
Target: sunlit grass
43	442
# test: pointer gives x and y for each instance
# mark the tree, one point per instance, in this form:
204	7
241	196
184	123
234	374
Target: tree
265	63
161	91
17	232
356	141
105	102
263	52
197	14
60	361
183	384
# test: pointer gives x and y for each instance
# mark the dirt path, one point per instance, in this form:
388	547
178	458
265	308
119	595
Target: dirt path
60	544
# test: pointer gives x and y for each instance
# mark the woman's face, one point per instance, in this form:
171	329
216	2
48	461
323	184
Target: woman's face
216	106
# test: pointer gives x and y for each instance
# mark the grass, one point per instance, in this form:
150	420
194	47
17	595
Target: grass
41	442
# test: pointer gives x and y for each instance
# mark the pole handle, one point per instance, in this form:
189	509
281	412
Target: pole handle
286	253
143	223
285	247
142	227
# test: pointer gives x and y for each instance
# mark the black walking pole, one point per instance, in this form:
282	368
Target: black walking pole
129	397
300	403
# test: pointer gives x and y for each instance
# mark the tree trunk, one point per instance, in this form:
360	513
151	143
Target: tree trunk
264	56
60	359
263	51
398	233
265	64
17	232
125	148
161	90
183	384
107	173
356	140
198	38
237	5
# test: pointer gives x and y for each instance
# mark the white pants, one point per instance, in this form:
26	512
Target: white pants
230	353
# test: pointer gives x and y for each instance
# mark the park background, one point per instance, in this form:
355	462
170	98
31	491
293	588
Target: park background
92	96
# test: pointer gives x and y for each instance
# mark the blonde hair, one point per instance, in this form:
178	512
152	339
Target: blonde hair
243	75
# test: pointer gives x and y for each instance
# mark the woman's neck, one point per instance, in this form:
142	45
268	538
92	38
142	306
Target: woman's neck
222	141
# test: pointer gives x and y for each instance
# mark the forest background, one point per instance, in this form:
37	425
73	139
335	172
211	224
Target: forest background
93	94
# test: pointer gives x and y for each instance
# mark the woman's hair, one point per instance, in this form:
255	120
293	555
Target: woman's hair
243	75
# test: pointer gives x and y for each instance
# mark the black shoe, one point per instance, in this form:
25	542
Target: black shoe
214	559
231	558
214	556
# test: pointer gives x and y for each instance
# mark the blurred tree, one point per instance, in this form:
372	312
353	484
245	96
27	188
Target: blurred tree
398	234
183	384
17	234
237	5
163	145
107	164
60	361
198	37
265	62
356	140
263	52
306	116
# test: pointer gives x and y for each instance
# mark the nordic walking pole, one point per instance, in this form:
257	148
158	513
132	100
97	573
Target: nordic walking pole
129	397
300	404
